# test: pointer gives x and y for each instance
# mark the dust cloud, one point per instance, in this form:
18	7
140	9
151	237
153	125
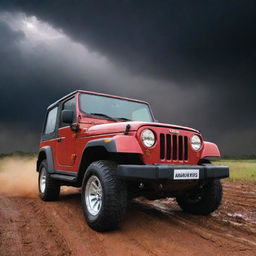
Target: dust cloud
18	176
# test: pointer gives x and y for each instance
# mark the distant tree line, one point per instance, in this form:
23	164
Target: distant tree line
19	154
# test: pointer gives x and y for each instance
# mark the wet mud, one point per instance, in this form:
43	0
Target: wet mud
29	226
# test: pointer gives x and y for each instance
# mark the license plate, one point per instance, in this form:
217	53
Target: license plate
186	174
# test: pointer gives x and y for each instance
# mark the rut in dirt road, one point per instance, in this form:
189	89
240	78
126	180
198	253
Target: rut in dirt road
32	227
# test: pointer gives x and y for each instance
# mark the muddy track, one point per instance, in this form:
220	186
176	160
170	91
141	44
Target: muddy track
29	226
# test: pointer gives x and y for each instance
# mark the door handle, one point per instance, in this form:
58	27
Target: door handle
59	139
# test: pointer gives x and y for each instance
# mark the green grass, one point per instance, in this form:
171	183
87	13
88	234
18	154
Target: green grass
240	169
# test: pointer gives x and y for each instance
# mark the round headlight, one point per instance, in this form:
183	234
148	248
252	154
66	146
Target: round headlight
148	138
195	142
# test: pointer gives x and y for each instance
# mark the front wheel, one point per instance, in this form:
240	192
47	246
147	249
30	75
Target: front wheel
104	196
203	200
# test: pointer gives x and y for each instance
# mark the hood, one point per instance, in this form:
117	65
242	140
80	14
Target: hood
119	127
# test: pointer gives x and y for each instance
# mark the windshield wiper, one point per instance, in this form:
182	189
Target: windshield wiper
123	119
102	115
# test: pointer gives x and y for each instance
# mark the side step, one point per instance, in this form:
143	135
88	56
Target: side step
63	177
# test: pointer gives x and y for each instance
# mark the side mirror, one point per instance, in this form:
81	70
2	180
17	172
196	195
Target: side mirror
67	116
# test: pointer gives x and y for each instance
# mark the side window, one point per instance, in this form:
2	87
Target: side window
70	105
51	121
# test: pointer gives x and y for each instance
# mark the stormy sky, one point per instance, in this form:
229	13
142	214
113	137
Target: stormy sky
194	61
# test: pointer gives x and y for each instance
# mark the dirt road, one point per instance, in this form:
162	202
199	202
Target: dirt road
29	226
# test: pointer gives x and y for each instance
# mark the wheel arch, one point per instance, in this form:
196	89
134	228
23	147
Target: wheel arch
104	149
45	153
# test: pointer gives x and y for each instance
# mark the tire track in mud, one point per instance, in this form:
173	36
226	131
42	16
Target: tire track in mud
230	221
34	234
32	227
210	228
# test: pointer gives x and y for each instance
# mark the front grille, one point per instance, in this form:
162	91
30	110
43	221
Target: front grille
173	147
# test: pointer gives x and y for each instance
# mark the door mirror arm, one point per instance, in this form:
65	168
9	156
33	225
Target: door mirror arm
74	127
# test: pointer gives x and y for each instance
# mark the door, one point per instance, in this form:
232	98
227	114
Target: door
65	145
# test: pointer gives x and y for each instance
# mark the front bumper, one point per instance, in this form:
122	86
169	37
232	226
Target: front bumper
172	172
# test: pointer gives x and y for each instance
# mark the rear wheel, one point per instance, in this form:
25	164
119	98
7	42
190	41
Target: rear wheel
203	200
104	196
48	188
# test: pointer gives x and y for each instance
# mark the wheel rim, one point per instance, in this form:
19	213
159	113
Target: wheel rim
42	182
93	195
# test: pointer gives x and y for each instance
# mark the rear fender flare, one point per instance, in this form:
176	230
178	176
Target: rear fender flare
47	151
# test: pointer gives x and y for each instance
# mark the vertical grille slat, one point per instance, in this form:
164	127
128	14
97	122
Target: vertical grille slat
185	148
173	147
162	146
180	148
168	146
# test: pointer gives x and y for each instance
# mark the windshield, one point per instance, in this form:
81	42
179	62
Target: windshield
114	109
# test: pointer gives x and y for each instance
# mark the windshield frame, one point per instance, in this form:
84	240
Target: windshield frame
114	97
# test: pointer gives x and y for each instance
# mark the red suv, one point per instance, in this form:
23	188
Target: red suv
114	149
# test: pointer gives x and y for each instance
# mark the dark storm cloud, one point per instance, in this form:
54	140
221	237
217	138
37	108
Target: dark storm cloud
190	42
195	57
19	80
41	64
38	66
168	38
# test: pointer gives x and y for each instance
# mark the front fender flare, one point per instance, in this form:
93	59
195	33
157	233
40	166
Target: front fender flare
117	144
210	150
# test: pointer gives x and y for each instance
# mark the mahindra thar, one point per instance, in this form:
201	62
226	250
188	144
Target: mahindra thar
113	148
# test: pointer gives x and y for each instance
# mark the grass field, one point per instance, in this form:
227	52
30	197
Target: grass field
240	169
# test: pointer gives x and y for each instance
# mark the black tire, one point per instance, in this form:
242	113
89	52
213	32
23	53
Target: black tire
52	189
113	196
202	201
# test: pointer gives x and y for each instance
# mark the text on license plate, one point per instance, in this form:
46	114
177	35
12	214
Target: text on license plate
186	174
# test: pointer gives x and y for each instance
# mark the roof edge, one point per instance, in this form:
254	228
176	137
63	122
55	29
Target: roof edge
95	93
61	99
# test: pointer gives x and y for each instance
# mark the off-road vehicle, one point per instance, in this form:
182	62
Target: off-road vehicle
113	148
